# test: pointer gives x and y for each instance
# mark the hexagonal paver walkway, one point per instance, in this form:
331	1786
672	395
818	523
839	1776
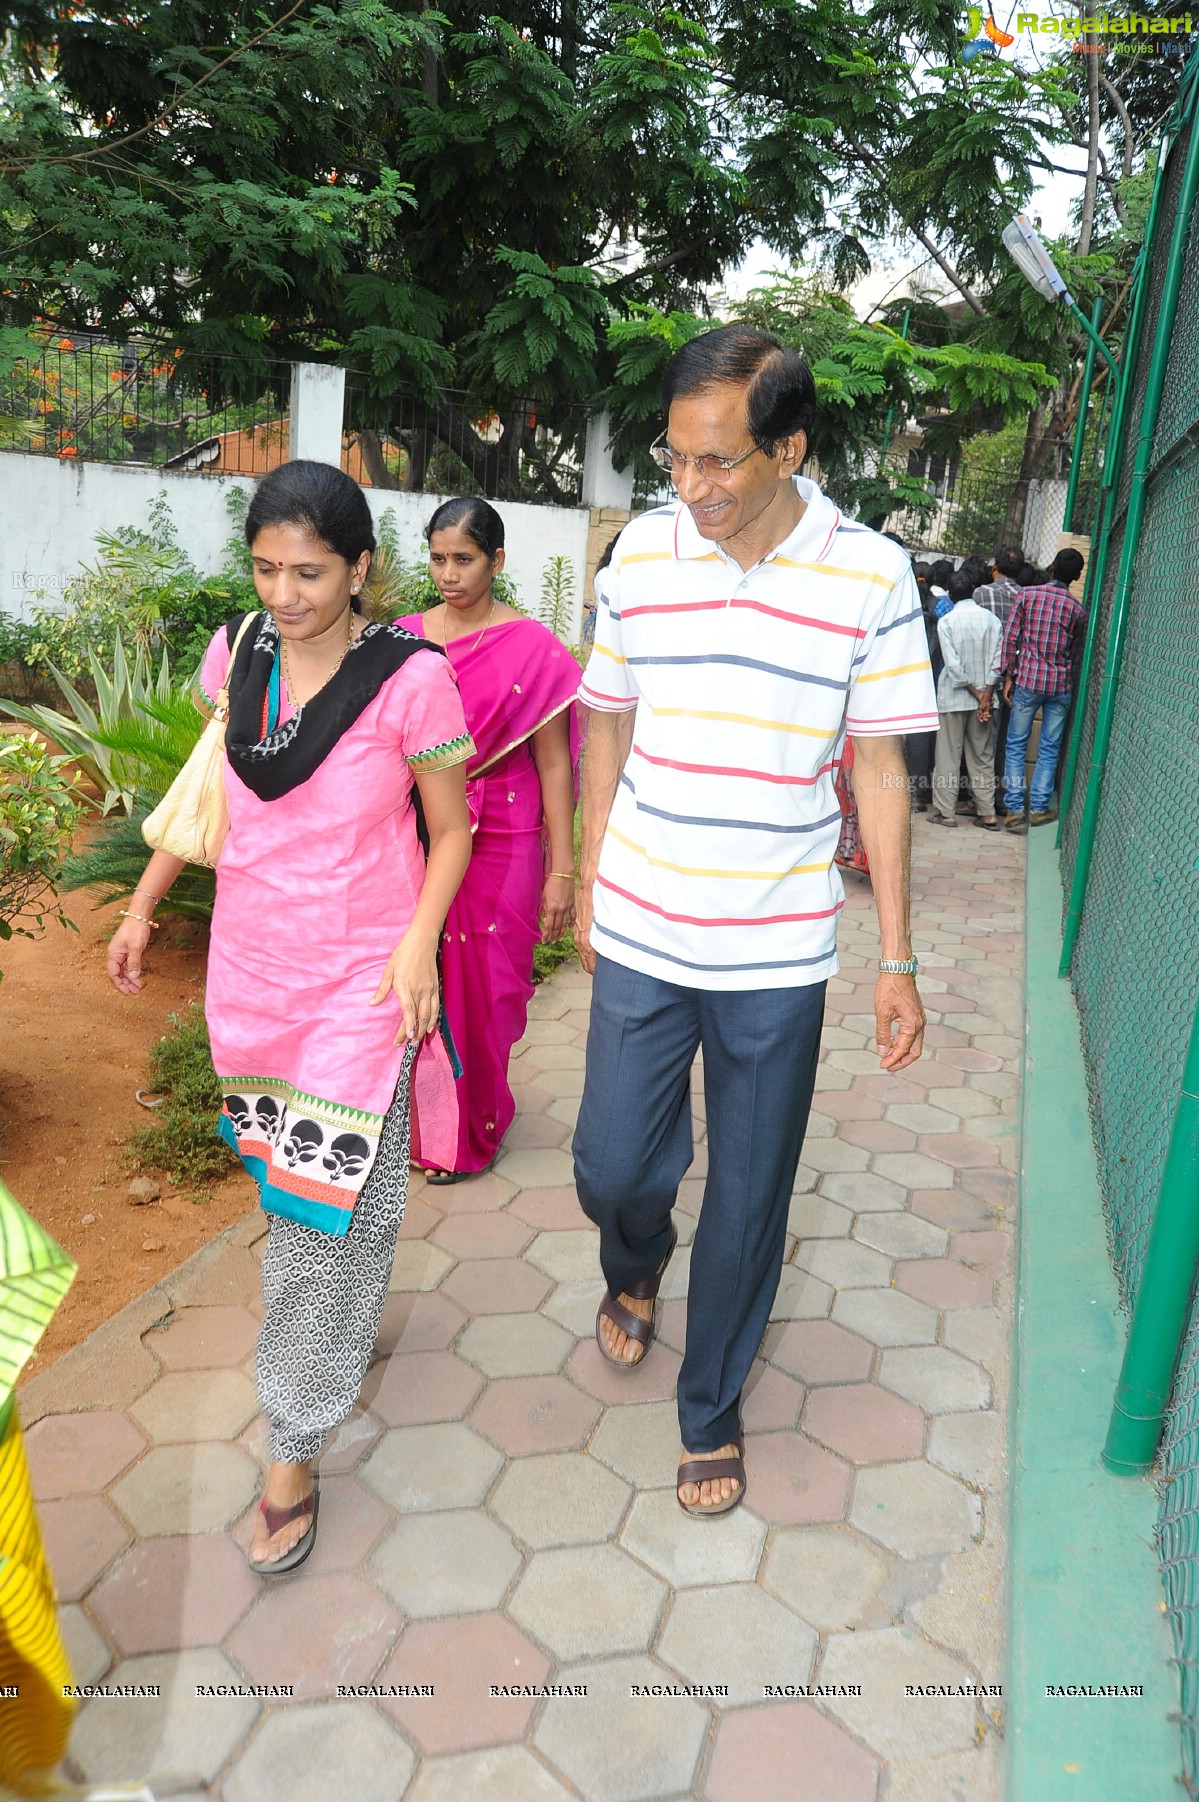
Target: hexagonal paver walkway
505	1599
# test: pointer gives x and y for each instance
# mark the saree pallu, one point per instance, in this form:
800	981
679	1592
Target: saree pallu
513	680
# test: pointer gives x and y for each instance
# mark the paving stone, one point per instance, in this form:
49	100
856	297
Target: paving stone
567	1256
534	1414
573	1305
988	1251
79	1454
788	1753
560	1498
944	1283
817	1351
770	1401
311	1753
480	1194
203	1338
830	1156
913	1169
914	1510
588	1600
815	1217
968	1102
346	1445
820	1126
351	1520
879	1135
454	1562
567	1056
416	1323
863	1423
800	1295
864	1192
551	1001
677	1276
566	1109
652	1379
497	1286
187	1489
168	1594
961	1151
683	1551
965	1613
845	1103
548	1210
420	1218
423	1387
950	1208
640	1443
735	1635
482	1235
920	1117
418	1265
936	1380
462	1658
831	1576
187	1405
615	1746
515	1345
978	1333
536	1132
541	1169
420	1468
501	1774
966	1446
883	1663
975	1773
82	1536
789	1478
995	1186
546	1032
885	1317
844	1263
316	1632
87	1654
901	1235
178	1740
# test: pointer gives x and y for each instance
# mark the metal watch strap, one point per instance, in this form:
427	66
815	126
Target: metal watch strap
899	966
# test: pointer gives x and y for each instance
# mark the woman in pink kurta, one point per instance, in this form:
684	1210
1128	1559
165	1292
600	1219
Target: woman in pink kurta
518	685
323	995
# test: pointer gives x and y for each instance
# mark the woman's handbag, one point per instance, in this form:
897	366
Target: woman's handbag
192	819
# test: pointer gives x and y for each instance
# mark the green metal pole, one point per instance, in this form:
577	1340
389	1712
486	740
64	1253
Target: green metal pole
1080	424
1128	551
1164	1297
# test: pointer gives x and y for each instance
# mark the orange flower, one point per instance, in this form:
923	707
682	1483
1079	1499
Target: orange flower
68	450
66	344
116	375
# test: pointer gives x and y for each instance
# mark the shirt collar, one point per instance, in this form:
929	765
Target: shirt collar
808	542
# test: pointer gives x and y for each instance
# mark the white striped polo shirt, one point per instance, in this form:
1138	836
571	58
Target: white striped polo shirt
716	871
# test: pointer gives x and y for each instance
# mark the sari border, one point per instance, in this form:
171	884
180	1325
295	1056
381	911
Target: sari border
313	1107
533	730
444	756
316	1214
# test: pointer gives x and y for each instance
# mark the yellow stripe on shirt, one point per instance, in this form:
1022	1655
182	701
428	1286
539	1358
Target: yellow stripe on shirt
826	569
902	669
683	869
603	651
743	719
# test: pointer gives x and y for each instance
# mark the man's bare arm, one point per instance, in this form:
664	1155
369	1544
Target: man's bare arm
609	740
883	795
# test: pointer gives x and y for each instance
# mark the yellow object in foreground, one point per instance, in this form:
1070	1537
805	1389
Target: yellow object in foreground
35	1717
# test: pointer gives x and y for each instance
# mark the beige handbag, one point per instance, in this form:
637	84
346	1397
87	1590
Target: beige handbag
192	819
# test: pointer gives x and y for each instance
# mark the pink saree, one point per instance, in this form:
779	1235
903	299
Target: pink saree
512	681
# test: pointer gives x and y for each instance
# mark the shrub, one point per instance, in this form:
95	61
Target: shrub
39	811
183	1141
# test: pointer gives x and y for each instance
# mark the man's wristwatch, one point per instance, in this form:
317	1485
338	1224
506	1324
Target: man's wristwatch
899	966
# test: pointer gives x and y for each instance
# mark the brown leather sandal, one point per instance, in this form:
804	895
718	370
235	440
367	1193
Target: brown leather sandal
278	1518
643	1331
704	1470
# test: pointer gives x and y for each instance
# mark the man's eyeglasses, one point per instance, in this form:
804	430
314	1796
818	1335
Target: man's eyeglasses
708	469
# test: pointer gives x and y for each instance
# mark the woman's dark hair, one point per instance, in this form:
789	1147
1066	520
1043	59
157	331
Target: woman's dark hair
476	517
780	395
318	498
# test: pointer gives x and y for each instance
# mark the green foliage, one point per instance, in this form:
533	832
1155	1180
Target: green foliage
114	862
86	732
551	957
183	1141
40	808
557	605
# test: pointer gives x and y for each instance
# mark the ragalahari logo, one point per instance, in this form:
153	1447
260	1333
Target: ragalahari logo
983	36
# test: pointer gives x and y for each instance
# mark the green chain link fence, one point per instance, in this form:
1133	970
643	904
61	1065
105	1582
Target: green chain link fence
1136	965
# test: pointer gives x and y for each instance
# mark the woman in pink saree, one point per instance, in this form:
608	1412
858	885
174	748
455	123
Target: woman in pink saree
518	685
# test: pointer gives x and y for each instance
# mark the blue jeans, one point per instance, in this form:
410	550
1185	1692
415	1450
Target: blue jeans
1025	702
632	1148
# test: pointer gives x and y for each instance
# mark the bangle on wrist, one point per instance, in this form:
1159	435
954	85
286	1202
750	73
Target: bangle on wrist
566	875
147	896
144	918
899	966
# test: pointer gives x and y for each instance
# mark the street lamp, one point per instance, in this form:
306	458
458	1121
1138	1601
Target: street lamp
1041	272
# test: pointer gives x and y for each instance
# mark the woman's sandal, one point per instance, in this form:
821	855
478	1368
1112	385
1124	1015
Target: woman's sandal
440	1179
278	1518
642	1331
707	1470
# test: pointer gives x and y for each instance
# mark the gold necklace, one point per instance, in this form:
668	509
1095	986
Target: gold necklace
287	683
445	620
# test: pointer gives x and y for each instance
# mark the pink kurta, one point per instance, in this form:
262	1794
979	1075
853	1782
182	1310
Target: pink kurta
514	679
314	892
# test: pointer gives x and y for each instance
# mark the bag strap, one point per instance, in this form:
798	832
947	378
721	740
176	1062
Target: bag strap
223	694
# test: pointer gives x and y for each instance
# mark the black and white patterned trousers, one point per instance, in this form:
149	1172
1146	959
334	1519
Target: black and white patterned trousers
324	1299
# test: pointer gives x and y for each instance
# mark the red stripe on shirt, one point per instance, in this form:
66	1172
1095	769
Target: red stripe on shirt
800	619
692	920
720	769
675	607
893	719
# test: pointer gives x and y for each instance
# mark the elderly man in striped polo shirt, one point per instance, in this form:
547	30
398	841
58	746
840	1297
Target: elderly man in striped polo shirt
743	631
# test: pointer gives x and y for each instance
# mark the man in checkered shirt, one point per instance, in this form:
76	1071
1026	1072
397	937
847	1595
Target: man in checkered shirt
1038	674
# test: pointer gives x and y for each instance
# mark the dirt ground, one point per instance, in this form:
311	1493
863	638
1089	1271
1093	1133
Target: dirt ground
72	1053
